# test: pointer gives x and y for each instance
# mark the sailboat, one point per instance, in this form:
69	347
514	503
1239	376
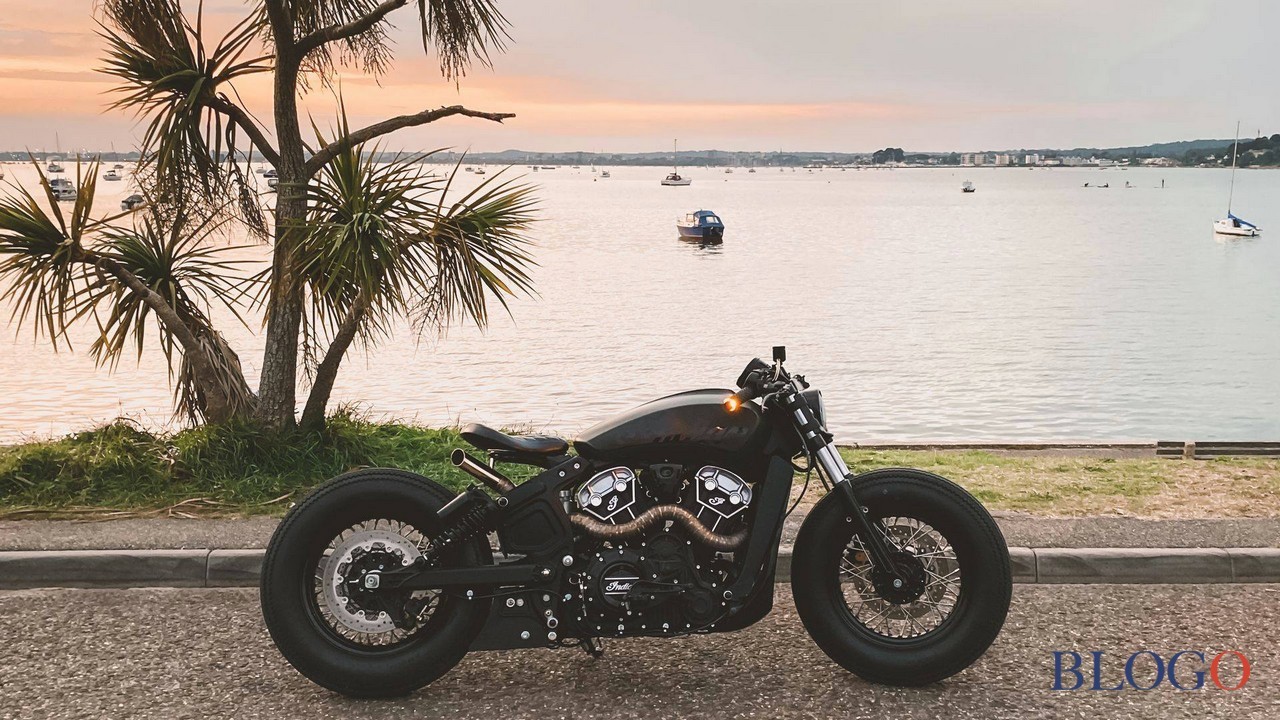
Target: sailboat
54	167
675	179
1232	225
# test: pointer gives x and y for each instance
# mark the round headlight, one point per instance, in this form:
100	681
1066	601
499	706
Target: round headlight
813	396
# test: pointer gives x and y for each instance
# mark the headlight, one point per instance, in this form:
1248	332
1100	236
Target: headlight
813	396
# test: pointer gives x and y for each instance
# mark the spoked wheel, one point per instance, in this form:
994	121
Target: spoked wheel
928	594
323	599
348	597
932	618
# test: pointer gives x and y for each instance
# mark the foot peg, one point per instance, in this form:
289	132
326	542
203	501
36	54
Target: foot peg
592	646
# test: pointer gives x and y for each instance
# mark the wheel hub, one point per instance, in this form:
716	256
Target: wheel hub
905	585
352	580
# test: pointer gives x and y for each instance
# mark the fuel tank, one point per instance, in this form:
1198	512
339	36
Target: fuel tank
687	422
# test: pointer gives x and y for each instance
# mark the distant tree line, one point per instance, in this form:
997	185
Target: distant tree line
888	155
1259	152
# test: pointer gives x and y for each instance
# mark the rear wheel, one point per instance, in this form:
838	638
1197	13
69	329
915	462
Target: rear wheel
955	580
330	619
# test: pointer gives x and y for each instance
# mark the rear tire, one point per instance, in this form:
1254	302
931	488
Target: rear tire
973	617
292	610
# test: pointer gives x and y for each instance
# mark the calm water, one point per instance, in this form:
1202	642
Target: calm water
1034	309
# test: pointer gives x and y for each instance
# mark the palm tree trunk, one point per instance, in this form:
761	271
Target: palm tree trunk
327	371
277	386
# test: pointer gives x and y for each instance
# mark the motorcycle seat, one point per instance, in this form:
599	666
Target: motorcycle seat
486	438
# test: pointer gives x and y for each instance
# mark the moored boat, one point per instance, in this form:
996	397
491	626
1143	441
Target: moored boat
62	189
702	225
674	178
111	175
133	202
1232	225
968	187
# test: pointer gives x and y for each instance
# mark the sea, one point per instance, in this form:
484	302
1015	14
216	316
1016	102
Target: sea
1035	309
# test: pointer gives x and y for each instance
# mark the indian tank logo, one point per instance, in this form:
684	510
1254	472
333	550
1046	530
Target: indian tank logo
717	500
613	503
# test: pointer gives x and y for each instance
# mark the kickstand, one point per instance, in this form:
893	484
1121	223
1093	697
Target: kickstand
592	646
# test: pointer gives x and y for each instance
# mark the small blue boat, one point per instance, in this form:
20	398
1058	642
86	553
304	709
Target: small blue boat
702	225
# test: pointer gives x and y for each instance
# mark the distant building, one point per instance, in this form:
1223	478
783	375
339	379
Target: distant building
975	159
1004	159
1031	159
1074	161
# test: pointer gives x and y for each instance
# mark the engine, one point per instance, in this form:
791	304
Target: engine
656	562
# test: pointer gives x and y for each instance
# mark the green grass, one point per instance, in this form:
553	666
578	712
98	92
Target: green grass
239	469
1085	485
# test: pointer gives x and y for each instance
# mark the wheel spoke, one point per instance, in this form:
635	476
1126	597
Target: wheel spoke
363	616
938	569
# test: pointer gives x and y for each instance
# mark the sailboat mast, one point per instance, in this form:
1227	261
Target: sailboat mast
675	156
1234	146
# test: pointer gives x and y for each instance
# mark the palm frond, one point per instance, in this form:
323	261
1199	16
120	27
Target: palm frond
40	250
369	51
171	255
171	78
462	32
459	32
478	248
363	210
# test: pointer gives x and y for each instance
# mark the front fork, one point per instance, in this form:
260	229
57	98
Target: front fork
821	447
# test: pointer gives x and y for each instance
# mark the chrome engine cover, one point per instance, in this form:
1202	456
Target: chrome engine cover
609	495
720	492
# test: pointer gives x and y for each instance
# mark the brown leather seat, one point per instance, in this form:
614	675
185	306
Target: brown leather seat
486	438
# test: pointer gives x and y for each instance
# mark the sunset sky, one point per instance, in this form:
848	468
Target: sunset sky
736	75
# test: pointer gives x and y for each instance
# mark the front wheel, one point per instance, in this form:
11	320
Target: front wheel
957	587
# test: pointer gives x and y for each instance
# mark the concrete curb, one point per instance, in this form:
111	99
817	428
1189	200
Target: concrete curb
240	568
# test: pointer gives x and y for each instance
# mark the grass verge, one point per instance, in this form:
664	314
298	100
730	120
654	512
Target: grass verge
119	469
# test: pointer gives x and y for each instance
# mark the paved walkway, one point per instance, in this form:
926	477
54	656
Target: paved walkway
205	654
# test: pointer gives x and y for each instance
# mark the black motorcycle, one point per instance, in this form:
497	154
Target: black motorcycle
666	522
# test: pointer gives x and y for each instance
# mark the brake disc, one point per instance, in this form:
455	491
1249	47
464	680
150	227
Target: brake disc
343	569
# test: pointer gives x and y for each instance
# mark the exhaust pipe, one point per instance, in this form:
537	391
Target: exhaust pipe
481	472
652	517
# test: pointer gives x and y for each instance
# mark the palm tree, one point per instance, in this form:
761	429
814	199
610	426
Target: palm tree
62	269
355	243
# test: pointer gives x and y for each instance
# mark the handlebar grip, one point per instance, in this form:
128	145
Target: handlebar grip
739	398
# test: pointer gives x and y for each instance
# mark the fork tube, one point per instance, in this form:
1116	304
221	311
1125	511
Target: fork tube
820	445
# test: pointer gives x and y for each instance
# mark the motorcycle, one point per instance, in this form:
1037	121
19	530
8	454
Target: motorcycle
663	522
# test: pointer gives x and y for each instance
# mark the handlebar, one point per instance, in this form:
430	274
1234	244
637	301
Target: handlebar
758	379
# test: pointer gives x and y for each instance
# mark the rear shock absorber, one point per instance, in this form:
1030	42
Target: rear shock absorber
463	517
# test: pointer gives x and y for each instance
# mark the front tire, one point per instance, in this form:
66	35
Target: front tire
959	551
377	517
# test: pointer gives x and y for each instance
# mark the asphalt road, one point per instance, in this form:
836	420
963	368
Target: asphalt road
204	654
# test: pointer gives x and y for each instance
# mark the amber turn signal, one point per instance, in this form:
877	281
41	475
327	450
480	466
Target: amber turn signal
732	403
